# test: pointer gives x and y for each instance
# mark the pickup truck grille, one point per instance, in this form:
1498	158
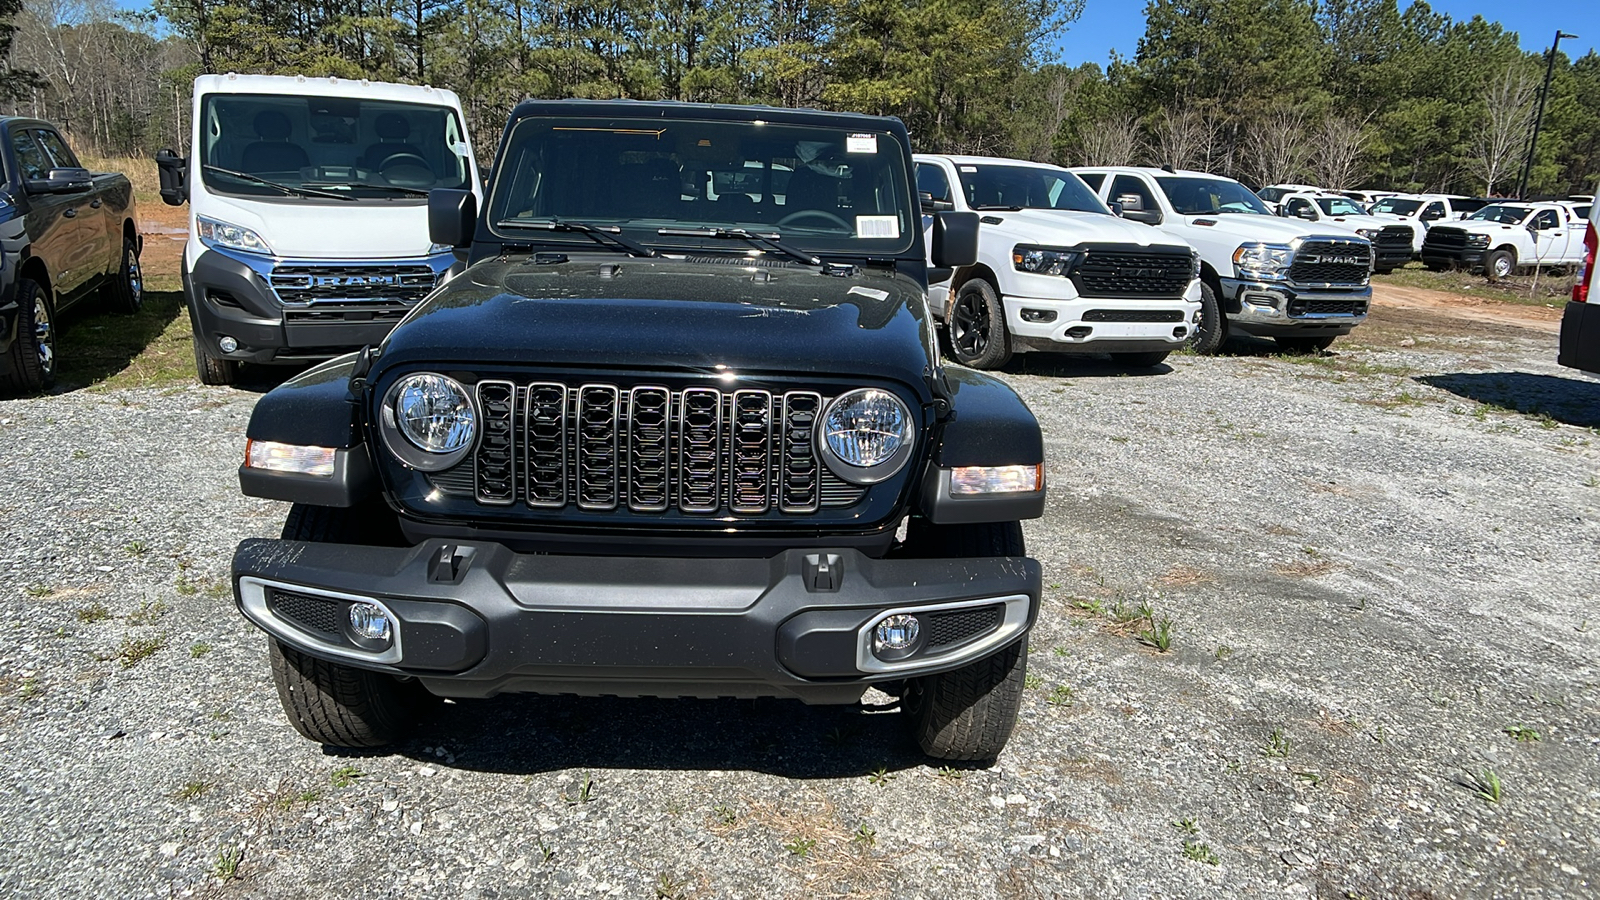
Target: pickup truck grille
1394	238
1332	262
1451	240
647	449
1121	273
1133	315
1299	308
300	284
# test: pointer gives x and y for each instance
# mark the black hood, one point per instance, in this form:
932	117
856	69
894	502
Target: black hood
701	314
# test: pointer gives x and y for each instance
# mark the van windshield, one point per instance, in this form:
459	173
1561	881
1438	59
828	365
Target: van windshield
306	148
825	189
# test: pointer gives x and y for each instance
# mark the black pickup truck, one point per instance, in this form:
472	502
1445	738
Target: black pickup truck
66	234
680	429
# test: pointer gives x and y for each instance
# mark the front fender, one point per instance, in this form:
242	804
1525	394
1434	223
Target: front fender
988	425
313	409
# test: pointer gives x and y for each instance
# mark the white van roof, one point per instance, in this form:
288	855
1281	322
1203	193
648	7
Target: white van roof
304	86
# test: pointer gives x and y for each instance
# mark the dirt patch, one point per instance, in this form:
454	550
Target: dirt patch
1439	304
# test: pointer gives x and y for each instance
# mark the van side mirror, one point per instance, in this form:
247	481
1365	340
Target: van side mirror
452	217
174	173
62	181
930	205
955	239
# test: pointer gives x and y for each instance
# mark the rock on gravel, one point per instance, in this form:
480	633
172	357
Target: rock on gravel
1378	578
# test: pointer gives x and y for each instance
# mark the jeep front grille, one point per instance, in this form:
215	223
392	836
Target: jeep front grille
1332	262
1121	273
648	449
300	284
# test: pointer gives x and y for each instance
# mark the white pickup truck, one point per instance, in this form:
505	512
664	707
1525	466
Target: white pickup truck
1392	242
1500	239
1423	211
1580	324
1056	270
1261	274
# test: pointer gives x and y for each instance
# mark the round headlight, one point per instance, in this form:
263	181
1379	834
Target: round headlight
866	435
428	421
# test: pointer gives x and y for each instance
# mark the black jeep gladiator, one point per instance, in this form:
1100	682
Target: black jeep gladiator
66	234
680	429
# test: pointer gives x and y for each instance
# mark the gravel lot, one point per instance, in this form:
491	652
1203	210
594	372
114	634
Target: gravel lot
1379	573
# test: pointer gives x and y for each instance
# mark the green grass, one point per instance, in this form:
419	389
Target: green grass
1553	289
345	776
94	612
1199	853
1277	746
134	650
103	350
1522	733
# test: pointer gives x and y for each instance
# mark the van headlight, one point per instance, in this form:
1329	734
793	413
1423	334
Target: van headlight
428	421
232	237
866	435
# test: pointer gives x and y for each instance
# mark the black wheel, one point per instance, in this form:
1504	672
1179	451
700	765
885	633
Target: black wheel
210	369
1500	264
1213	327
978	335
1140	360
124	293
30	366
1303	344
967	714
330	703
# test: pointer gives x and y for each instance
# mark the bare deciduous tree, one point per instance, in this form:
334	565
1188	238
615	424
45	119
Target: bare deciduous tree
1182	138
1509	100
1276	148
1111	141
1341	146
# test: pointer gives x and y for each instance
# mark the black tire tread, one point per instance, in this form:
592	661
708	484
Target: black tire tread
969	714
339	705
118	291
1207	341
998	352
20	372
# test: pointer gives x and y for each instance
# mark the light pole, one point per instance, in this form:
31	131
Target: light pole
1538	118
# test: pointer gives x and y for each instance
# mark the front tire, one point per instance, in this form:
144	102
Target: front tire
30	366
210	369
977	325
967	714
1500	264
1212	331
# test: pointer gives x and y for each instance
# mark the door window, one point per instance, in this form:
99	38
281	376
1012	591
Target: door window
1433	212
1298	208
57	149
932	180
30	159
1132	194
1546	219
1093	180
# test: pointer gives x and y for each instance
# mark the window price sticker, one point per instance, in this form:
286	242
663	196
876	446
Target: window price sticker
877	226
861	143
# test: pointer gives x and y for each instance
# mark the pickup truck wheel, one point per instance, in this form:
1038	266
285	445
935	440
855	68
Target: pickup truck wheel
978	335
1213	327
30	367
1303	344
125	290
1500	264
967	714
1139	360
339	705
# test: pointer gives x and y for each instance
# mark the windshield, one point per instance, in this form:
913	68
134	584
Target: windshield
298	147
1272	195
1026	187
1395	206
824	189
1504	215
1210	196
1339	206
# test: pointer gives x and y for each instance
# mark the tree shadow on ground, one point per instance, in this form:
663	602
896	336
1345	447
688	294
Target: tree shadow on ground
95	344
1068	365
1572	401
522	734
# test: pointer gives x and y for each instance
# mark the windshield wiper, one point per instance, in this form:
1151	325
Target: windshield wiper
999	208
414	192
257	179
606	237
772	240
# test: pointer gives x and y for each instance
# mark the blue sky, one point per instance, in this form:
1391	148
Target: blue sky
1109	25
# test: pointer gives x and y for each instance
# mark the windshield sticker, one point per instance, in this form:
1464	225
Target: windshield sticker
861	143
460	149
870	293
877	226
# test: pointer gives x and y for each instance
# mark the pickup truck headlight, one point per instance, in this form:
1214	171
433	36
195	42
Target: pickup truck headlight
1045	260
1263	260
866	435
428	421
1370	234
232	237
1477	241
1194	264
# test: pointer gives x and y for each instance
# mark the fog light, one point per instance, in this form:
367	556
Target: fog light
1038	315
369	621
896	637
227	344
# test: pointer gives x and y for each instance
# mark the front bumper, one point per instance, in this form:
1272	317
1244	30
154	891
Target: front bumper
231	294
474	619
1271	309
1103	325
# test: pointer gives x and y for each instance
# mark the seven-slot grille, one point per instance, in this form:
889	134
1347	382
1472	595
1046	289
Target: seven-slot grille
1299	307
1122	273
647	449
1332	262
302	284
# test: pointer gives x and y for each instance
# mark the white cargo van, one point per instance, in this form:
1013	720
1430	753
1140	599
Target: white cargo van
308	213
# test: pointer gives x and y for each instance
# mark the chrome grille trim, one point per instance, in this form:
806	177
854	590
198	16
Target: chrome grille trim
545	421
596	441
495	460
649	448
799	488
750	453
699	450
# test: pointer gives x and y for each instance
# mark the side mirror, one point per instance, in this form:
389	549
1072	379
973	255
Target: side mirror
62	181
955	239
452	217
1310	215
174	173
1116	208
1147	216
930	205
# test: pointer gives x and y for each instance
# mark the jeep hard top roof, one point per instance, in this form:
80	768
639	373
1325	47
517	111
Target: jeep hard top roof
674	109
